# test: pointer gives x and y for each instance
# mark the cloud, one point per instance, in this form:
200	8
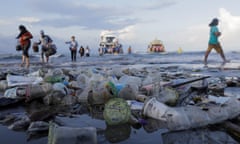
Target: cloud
127	33
29	19
98	15
229	25
195	37
160	4
4	22
88	15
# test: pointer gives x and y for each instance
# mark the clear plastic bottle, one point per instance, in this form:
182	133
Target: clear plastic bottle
157	84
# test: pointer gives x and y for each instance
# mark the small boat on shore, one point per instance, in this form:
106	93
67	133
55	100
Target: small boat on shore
156	46
109	43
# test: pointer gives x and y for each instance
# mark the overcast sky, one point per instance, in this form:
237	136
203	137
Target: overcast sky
177	23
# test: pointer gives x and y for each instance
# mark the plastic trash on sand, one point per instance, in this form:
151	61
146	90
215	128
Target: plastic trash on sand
61	88
168	96
135	82
187	117
15	80
3	85
116	111
28	91
119	87
112	88
58	95
102	92
54	79
82	95
135	105
11	93
155	109
128	93
38	73
218	100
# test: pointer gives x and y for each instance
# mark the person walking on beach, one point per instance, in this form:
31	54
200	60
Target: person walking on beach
213	42
100	51
129	50
24	38
87	51
73	48
81	51
46	42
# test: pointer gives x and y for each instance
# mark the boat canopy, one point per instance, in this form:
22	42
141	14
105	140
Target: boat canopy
156	42
156	46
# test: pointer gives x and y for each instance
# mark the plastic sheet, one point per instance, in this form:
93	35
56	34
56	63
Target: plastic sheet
15	80
181	118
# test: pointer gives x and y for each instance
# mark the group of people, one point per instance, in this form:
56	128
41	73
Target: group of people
47	49
25	37
74	48
47	46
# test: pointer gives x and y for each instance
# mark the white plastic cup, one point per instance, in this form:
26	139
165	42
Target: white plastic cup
155	109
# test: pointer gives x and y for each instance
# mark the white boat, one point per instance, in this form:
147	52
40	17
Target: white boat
109	43
156	46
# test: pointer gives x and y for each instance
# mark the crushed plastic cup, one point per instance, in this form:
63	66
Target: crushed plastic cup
116	111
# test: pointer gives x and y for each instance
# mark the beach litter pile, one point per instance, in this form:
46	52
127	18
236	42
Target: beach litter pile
149	97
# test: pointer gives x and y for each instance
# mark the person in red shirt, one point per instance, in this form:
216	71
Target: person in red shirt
24	38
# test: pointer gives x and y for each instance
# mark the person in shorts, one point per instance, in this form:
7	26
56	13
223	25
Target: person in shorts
46	43
213	42
24	38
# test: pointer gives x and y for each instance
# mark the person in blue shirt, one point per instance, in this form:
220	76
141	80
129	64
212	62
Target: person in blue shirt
213	42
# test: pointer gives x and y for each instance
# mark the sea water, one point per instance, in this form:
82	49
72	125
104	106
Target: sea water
137	58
